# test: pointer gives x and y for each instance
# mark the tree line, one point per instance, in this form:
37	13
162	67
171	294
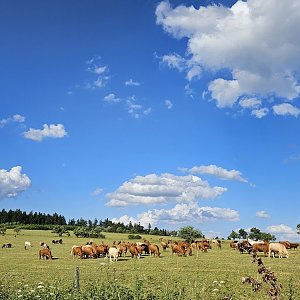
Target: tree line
82	227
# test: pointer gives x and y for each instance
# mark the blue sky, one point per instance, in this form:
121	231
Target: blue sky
174	113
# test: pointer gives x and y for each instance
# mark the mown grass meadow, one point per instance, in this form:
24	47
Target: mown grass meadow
213	275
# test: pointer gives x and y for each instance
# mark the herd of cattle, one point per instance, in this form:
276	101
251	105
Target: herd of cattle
250	246
180	248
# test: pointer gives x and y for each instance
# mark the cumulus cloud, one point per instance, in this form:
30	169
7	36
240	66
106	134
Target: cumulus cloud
131	82
50	131
283	232
262	214
285	109
260	113
111	98
183	214
253	40
15	118
13	182
250	103
218	172
280	229
160	189
168	104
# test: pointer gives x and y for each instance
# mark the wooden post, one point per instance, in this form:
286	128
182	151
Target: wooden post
76	278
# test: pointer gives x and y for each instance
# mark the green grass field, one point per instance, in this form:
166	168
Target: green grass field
210	275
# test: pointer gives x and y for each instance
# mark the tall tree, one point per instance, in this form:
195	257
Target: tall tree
189	233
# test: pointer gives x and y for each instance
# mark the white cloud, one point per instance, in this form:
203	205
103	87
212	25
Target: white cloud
281	229
125	220
13	182
225	92
100	82
193	72
101	71
131	82
97	192
250	103
160	189
174	61
253	40
168	104
260	113
183	214
262	214
136	110
283	232
218	172
51	131
285	109
15	118
111	98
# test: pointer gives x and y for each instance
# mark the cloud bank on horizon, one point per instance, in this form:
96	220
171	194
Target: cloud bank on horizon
240	39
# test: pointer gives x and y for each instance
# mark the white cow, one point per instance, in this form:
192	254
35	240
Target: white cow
278	248
113	254
27	245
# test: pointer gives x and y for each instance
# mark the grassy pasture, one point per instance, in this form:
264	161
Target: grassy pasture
200	276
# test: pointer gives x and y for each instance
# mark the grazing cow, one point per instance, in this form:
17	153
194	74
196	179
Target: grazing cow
101	250
233	244
57	241
178	249
88	252
261	247
7	245
45	253
164	245
294	246
113	254
278	248
217	243
154	249
134	251
203	245
286	244
27	245
122	249
76	251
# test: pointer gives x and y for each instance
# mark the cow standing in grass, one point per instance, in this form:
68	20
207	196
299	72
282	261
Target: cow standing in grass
45	254
27	245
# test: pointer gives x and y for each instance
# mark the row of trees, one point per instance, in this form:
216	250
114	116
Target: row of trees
21	217
254	234
58	224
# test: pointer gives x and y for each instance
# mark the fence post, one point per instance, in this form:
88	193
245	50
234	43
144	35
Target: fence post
76	278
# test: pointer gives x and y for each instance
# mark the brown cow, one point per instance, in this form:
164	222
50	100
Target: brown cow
233	245
88	252
154	249
134	251
294	246
164	245
203	245
261	247
45	253
76	251
122	249
177	249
